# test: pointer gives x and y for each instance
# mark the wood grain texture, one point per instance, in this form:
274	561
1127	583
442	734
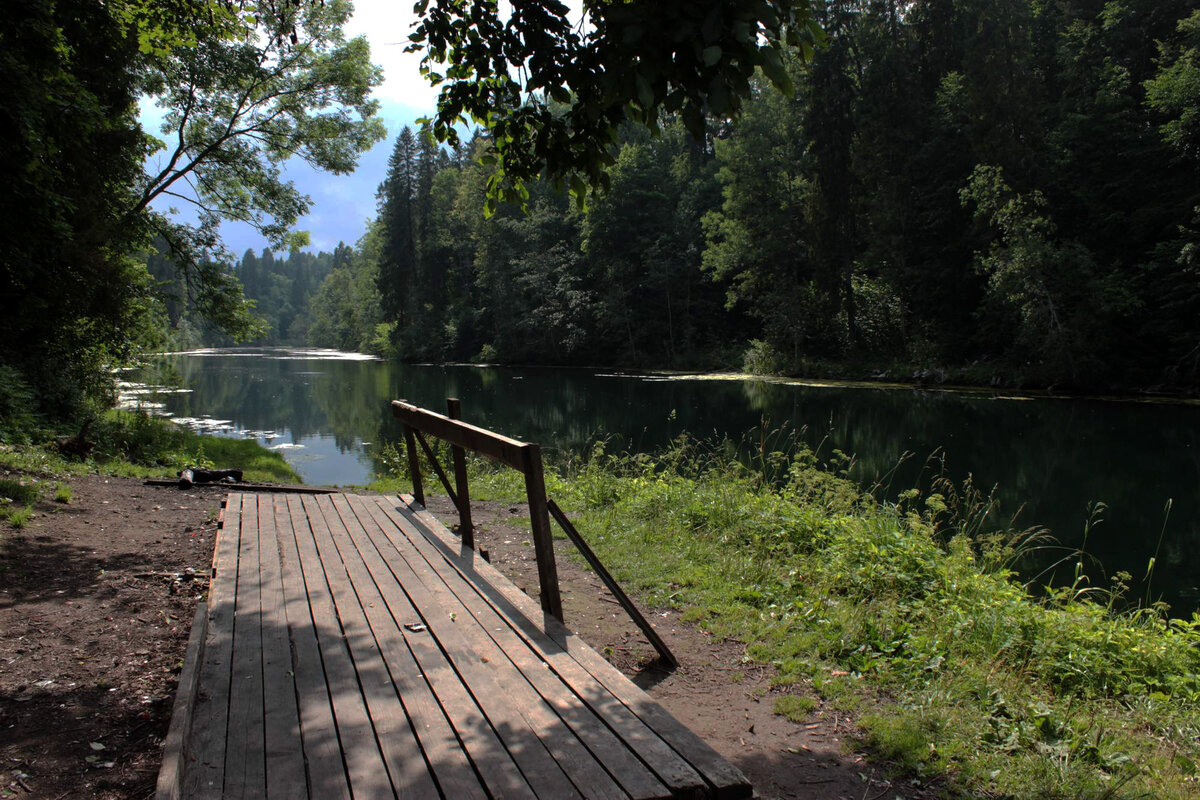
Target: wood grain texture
356	648
205	764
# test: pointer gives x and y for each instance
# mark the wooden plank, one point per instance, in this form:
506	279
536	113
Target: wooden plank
407	771
543	538
493	445
175	747
414	464
654	734
479	740
619	593
204	775
452	770
520	674
325	771
360	751
245	747
282	745
466	528
633	776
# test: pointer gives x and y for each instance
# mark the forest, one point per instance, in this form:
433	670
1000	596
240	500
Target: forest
966	190
976	191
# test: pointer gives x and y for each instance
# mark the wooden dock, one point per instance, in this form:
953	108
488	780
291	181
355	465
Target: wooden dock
353	648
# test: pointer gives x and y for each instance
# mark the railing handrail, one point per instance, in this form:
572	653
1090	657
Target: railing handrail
525	457
504	449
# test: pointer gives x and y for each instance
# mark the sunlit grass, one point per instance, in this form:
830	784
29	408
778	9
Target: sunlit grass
134	445
902	614
16	501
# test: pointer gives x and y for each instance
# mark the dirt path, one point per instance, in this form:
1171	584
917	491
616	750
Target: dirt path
96	598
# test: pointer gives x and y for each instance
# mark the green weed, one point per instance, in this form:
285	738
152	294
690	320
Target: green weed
62	493
794	708
907	615
134	445
17	517
19	492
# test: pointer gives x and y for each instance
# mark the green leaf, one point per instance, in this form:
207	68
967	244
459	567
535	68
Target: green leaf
772	66
718	98
712	55
578	190
645	92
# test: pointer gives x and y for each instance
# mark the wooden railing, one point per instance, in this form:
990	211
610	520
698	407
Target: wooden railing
526	458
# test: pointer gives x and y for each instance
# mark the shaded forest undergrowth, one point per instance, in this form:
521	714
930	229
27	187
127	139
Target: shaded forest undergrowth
904	615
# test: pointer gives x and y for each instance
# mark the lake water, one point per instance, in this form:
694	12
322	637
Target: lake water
328	411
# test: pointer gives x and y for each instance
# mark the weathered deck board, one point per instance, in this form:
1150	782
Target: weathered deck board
204	764
324	771
352	650
283	744
245	764
592	729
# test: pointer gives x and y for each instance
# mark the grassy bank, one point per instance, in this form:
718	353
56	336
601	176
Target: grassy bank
893	613
127	444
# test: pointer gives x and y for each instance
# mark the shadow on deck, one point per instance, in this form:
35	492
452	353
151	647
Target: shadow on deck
352	647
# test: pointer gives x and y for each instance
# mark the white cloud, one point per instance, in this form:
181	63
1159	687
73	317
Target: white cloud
386	24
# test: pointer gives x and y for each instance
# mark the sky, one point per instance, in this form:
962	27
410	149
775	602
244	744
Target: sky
342	204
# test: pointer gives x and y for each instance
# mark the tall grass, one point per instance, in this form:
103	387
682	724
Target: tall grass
134	444
907	614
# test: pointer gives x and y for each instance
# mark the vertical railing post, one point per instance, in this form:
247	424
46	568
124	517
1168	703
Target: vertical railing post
414	463
539	521
465	528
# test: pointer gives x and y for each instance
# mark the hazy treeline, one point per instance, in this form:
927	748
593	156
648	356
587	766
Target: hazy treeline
280	287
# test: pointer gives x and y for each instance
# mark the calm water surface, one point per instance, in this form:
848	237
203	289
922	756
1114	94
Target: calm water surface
1051	459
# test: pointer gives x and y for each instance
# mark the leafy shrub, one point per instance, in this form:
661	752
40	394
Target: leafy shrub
18	418
761	358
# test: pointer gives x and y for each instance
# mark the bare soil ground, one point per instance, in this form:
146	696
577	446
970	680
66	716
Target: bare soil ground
97	596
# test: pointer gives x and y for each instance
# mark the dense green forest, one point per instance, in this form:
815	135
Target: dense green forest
978	190
990	190
279	290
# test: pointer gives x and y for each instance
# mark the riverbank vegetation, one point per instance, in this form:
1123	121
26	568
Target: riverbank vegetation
968	190
905	615
120	443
